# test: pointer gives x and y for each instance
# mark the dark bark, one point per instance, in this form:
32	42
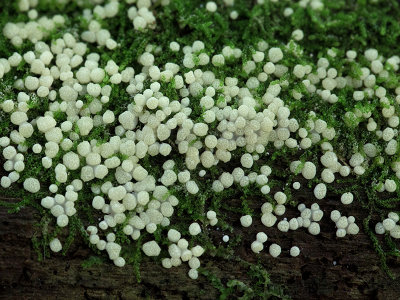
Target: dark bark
312	275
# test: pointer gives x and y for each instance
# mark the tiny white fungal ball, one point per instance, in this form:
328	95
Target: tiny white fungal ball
379	229
211	215
275	54
174	235
211	6
108	117
283	226
267	208
197	251
395	232
347	198
151	248
194	229
94	239
53	188
294	251
335	215
119	262
46	123
47	202
394	216
62	220
294	223
32	185
143	198
193	274
296	185
317	215
5	182
246	220
151	227
320	191
71	160
98	202
9	152
314	207
113	250
262	237
18	117
305	212
55	245
344	171
341	232
166	263
246	160
265	189
85	125
280	197
309	170
351	219
225	238
37	148
388	224
275	250
298	34
390	185
192	187
342	222
174	46
314	228
257	246
111	237
353	229
268	219
234	15
327	176
183	244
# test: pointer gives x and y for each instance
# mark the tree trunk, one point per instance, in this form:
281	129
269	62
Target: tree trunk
327	268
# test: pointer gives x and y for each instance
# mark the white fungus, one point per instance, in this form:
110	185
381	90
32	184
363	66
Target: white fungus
151	248
294	251
93	125
32	185
274	250
246	220
55	245
194	229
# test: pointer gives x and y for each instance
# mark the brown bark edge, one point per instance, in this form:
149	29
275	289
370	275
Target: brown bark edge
356	273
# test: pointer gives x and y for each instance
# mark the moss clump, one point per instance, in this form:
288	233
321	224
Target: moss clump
328	33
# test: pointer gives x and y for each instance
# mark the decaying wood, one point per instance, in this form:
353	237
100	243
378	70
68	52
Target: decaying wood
328	267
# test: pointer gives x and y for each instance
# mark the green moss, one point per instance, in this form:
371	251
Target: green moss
92	261
364	24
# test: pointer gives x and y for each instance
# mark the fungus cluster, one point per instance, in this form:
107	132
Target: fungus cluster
93	123
258	244
345	225
389	225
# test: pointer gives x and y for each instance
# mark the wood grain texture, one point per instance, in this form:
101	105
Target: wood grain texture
312	275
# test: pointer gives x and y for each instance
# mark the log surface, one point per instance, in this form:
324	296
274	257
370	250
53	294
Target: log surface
327	268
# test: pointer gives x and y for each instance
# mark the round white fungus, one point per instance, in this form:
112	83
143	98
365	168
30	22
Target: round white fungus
151	248
294	251
55	245
194	229
246	220
274	250
32	185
